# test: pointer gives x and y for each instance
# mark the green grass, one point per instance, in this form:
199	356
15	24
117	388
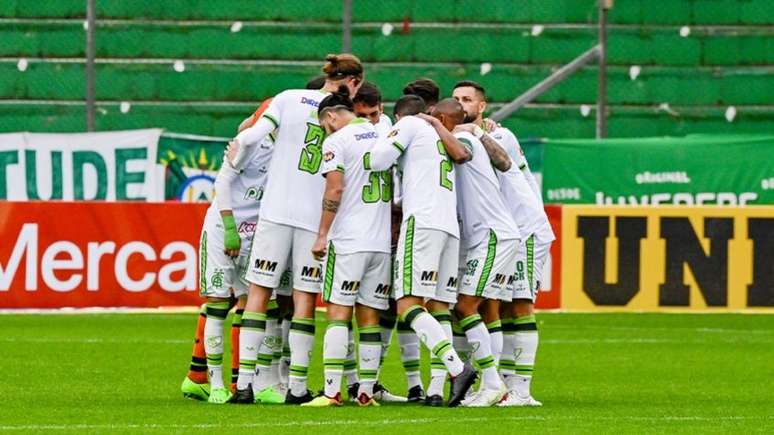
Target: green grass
112	373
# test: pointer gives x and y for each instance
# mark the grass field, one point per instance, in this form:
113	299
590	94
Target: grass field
102	373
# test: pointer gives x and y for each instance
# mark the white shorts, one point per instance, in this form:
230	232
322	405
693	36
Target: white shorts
530	258
221	276
489	265
270	256
285	287
359	277
426	264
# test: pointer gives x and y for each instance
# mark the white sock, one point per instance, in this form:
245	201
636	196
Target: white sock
250	337
369	354
263	378
437	369
526	344
277	352
334	353
386	326
507	362
432	332
460	342
213	341
478	337
350	364
301	340
495	330
284	364
409	354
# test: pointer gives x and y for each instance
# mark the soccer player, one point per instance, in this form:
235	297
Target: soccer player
518	186
289	221
354	244
426	260
426	89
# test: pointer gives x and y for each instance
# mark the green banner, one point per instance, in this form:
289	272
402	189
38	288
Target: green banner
697	169
191	163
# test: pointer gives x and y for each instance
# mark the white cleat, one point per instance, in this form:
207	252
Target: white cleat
384	395
486	397
469	397
513	399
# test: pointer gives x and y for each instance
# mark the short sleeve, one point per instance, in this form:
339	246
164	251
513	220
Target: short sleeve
333	155
403	132
274	112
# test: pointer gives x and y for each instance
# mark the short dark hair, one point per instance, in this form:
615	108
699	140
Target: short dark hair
471	84
424	88
316	83
339	99
409	105
368	94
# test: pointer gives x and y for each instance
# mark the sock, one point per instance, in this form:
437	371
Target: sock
213	341
386	325
482	351
277	353
495	330
437	369
284	365
250	337
334	353
301	339
263	377
507	362
526	344
409	353
369	352
460	342
197	371
236	325
432	333
350	364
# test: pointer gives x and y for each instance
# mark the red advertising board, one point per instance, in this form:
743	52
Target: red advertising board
98	254
551	290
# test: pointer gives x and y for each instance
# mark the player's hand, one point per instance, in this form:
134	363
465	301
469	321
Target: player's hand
470	128
490	125
232	243
319	249
431	119
231	151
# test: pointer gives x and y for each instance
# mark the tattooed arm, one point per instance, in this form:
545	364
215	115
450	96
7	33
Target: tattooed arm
334	186
500	159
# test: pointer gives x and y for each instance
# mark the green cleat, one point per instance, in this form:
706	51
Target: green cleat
192	390
269	395
220	396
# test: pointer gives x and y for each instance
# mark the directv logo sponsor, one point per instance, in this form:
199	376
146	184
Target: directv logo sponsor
312	103
363	136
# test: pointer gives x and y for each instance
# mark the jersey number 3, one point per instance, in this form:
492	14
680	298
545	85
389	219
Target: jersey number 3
311	153
379	183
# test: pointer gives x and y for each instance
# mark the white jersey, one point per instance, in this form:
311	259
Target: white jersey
428	178
508	141
384	125
479	203
294	189
362	223
525	205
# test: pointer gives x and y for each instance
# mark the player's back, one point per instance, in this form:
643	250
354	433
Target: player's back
294	186
480	205
428	178
362	222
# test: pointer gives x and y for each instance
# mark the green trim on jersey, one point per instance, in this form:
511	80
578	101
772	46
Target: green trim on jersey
271	118
203	264
329	267
356	121
530	262
400	147
408	257
340	168
491	252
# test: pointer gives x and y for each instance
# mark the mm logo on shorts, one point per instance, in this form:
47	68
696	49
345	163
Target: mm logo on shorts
310	274
452	282
428	277
265	265
499	279
382	291
350	286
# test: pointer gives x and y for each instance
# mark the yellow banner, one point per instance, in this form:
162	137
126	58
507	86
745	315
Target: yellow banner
668	258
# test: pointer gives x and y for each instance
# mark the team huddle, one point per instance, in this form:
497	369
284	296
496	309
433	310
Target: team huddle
433	226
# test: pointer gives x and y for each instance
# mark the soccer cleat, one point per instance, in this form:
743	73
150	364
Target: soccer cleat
416	394
434	400
220	396
469	397
461	383
290	399
383	394
352	391
323	401
513	399
192	390
270	395
485	397
364	400
244	396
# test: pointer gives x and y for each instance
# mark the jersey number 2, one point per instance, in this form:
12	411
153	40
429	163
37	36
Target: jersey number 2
446	167
380	183
311	154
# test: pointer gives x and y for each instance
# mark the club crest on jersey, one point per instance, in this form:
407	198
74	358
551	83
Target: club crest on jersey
328	156
217	278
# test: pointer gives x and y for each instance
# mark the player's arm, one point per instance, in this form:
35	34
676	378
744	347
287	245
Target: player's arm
497	155
333	171
231	240
386	152
247	140
456	150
